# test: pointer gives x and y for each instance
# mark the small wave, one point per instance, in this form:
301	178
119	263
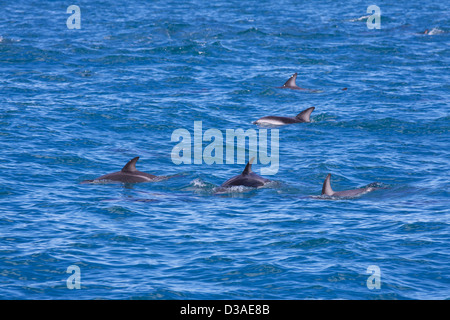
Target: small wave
324	117
252	30
128	199
377	185
258	270
316	243
8	40
421	226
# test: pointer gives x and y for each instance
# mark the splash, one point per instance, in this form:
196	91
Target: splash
362	18
198	183
433	31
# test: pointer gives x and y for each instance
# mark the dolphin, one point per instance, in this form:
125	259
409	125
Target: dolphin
303	116
432	32
326	190
360	18
247	178
290	84
128	174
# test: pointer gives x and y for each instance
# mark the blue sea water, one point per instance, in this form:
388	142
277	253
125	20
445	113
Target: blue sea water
78	103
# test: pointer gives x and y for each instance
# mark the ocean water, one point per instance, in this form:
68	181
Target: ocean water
78	103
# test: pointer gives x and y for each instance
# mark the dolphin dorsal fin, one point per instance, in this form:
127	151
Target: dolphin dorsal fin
248	167
131	165
326	189
291	81
305	114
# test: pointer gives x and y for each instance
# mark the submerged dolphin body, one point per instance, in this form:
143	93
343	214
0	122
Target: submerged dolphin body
303	116
326	190
247	178
128	174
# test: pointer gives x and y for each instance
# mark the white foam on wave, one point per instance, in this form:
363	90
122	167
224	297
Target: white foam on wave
232	189
435	31
360	18
198	183
8	40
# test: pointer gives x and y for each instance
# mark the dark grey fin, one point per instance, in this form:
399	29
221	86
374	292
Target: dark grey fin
326	189
291	81
131	165
248	167
305	114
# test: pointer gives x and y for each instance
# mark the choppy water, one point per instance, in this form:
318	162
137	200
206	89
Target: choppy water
76	104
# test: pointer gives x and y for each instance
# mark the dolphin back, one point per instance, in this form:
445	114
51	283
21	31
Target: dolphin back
247	178
326	188
291	82
131	165
304	116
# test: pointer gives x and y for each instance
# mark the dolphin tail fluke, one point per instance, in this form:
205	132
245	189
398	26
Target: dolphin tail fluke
248	167
326	189
131	165
291	81
305	115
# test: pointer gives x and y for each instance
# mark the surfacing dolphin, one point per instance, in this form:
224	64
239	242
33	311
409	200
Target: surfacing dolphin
432	32
290	84
128	174
247	178
326	190
303	116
